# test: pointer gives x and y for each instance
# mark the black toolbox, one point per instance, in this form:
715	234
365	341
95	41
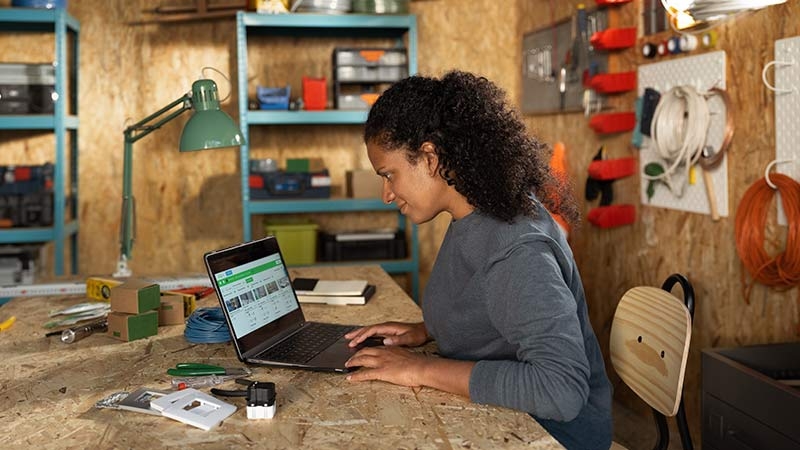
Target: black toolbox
365	245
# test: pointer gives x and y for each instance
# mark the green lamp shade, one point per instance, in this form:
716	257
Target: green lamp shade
209	127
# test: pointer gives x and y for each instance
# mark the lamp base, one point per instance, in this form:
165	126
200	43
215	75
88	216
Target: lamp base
123	271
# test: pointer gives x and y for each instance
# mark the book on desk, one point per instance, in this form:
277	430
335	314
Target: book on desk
333	292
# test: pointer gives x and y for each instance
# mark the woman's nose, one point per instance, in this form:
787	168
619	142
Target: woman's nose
388	195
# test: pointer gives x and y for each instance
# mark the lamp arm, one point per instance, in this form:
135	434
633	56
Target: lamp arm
127	231
143	127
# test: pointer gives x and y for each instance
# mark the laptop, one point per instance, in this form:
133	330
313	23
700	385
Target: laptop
263	313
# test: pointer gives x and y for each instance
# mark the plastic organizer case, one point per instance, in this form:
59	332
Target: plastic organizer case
280	184
274	98
356	101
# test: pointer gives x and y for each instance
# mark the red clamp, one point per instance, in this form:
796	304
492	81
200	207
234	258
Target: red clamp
613	122
611	83
614	38
612	215
612	169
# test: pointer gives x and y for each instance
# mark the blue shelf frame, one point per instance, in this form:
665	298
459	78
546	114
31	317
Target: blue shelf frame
61	123
350	25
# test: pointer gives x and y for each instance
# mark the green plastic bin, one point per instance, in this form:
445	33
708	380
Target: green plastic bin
297	239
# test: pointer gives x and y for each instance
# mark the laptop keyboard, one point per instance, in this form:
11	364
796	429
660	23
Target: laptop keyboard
307	343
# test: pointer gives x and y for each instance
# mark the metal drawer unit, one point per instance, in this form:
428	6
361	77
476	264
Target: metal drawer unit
744	405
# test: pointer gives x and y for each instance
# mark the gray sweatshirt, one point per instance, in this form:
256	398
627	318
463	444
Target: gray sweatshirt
509	296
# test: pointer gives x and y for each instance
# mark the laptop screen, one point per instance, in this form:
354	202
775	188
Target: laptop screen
254	289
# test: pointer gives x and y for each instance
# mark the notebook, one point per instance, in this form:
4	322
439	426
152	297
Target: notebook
263	313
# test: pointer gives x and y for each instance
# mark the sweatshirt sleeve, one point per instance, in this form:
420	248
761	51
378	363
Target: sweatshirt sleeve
532	306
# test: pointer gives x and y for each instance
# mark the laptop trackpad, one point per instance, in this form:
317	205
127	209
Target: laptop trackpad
337	354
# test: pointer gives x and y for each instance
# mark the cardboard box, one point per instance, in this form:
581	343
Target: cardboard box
135	297
130	327
189	300
99	288
363	184
171	310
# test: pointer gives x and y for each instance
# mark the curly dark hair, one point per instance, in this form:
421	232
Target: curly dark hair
483	147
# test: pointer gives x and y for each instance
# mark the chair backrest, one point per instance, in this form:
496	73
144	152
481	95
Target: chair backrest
649	346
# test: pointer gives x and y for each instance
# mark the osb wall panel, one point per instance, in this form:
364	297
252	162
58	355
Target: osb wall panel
664	241
189	203
478	36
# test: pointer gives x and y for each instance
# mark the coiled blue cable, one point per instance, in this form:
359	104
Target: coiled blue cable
207	326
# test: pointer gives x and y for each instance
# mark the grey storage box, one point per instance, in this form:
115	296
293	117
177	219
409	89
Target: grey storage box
27	88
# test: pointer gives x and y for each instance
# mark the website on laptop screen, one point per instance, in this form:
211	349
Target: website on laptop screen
256	293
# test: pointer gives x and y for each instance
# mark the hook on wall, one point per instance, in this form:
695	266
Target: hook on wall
766	82
769	166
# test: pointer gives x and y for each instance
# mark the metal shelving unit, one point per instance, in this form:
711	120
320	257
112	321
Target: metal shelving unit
347	25
62	123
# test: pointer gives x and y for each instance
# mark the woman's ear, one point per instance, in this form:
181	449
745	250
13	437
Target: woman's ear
430	158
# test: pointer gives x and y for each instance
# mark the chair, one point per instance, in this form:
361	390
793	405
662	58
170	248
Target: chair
649	346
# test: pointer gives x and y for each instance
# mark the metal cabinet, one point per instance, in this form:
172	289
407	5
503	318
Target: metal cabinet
310	25
62	123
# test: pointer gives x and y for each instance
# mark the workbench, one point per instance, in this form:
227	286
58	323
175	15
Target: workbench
48	390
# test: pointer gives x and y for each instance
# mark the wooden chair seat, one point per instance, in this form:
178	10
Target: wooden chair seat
650	336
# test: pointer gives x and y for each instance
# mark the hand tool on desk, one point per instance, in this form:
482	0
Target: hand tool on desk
197	382
6	324
79	332
197	369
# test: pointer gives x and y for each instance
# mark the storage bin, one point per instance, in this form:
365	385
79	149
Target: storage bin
315	93
297	239
369	57
358	246
356	102
273	98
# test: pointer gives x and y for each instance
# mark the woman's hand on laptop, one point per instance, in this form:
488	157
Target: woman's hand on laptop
393	333
391	364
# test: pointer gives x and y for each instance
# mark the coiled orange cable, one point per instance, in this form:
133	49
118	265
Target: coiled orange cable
783	270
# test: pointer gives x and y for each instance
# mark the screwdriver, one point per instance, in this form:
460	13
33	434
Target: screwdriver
77	333
201	381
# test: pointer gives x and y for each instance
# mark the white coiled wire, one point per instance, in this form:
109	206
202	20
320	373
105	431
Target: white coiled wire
678	133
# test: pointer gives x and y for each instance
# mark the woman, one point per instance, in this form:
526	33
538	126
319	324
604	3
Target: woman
504	301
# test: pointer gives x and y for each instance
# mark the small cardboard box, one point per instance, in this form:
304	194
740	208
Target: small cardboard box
189	300
171	310
363	184
135	297
130	327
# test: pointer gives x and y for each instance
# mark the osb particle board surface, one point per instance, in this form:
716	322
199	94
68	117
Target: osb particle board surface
49	389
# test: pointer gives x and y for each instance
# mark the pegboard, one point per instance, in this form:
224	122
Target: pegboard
559	46
701	72
787	111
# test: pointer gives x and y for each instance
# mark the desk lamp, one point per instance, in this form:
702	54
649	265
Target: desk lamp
695	15
209	127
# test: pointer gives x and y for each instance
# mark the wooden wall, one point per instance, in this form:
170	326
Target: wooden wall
664	241
189	203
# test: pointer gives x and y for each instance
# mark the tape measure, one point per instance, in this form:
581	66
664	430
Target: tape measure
79	287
